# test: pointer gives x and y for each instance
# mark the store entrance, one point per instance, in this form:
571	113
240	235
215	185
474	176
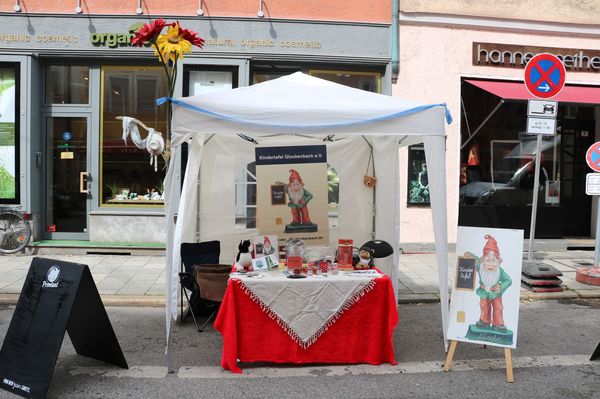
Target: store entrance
68	192
577	135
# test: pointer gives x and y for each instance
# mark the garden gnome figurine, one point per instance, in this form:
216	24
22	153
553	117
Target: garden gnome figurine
493	282
299	197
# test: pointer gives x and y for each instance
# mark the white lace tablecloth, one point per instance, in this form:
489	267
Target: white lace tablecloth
305	308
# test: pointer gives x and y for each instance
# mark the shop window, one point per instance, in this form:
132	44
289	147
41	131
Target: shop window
418	182
205	79
9	134
67	84
368	81
498	161
204	82
126	177
245	197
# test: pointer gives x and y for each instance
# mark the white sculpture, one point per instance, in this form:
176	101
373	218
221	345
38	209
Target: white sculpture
153	143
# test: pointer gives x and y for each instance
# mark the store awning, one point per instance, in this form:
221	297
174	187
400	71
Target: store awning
518	91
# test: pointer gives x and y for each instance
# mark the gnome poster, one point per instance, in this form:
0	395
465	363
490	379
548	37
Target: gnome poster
484	306
291	193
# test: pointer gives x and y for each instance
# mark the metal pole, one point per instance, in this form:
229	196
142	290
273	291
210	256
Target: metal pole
597	250
536	186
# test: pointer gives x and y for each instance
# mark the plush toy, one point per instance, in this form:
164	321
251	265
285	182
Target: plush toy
243	261
365	258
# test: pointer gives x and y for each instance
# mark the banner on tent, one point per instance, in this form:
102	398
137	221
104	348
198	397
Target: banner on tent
291	193
484	306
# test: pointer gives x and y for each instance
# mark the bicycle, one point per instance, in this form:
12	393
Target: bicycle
15	232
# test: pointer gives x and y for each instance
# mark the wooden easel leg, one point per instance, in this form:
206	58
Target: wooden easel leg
509	369
450	355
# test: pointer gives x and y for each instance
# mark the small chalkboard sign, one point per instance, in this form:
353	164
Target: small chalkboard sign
57	297
277	194
465	274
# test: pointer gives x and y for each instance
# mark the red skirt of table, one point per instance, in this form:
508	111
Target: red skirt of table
363	334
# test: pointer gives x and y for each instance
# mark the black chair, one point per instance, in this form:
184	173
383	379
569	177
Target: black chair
212	282
192	254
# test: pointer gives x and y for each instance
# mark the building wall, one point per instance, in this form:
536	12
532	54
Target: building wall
569	11
433	58
350	10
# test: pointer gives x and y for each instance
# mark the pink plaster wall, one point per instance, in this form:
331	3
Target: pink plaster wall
432	62
338	10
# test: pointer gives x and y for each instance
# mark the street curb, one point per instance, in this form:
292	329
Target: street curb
152	301
525	296
157	301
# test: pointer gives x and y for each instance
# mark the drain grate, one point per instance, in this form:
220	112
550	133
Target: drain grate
580	248
107	253
585	263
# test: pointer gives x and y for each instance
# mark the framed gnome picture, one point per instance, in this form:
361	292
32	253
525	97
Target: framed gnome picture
484	306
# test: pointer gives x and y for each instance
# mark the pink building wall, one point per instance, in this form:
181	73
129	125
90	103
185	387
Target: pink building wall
350	10
432	61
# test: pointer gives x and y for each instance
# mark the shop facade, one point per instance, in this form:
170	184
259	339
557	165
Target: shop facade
63	155
476	64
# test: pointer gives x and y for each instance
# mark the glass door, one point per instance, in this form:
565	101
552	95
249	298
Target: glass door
68	193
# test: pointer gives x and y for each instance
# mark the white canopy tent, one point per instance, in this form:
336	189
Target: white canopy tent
292	110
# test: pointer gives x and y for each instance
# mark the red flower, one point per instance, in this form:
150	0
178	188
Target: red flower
191	36
148	32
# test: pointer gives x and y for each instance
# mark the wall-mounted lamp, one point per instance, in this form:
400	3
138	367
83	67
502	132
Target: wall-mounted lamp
139	10
17	6
200	10
78	9
260	12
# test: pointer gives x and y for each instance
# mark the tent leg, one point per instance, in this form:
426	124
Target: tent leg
168	359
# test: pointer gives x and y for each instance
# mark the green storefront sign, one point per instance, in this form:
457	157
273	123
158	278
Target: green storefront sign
113	40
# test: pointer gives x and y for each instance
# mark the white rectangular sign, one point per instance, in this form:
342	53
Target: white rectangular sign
592	184
541	126
484	307
542	108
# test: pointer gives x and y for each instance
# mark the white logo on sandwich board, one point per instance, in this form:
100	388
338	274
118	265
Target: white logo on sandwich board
52	277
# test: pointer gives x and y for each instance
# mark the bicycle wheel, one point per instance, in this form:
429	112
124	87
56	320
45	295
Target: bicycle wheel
14	232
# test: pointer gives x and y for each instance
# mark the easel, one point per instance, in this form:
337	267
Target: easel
507	357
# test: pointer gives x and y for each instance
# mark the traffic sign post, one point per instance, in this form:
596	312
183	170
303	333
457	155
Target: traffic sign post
592	187
545	77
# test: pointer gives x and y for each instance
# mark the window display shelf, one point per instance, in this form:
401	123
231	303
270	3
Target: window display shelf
134	201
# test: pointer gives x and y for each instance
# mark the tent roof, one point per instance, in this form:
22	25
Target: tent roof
299	103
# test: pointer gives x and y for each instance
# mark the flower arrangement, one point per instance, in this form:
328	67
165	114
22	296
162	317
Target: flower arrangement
169	47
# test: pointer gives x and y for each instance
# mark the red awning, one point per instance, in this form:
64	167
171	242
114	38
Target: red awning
518	91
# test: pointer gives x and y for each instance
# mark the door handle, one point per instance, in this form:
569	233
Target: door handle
83	187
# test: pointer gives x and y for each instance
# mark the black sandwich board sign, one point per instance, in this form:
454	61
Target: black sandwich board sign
596	354
56	297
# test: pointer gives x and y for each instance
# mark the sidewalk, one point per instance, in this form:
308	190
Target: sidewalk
140	280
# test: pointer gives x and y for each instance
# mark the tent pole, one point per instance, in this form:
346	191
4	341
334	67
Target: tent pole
168	358
374	211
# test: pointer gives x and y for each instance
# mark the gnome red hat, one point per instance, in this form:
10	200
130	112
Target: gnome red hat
266	240
294	175
490	246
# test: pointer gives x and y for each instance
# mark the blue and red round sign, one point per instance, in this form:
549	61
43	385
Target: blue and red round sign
545	75
592	157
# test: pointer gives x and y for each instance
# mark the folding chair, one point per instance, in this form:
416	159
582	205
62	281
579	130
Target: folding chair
212	282
195	254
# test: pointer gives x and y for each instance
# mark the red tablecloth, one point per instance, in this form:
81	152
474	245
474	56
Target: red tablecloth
363	334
